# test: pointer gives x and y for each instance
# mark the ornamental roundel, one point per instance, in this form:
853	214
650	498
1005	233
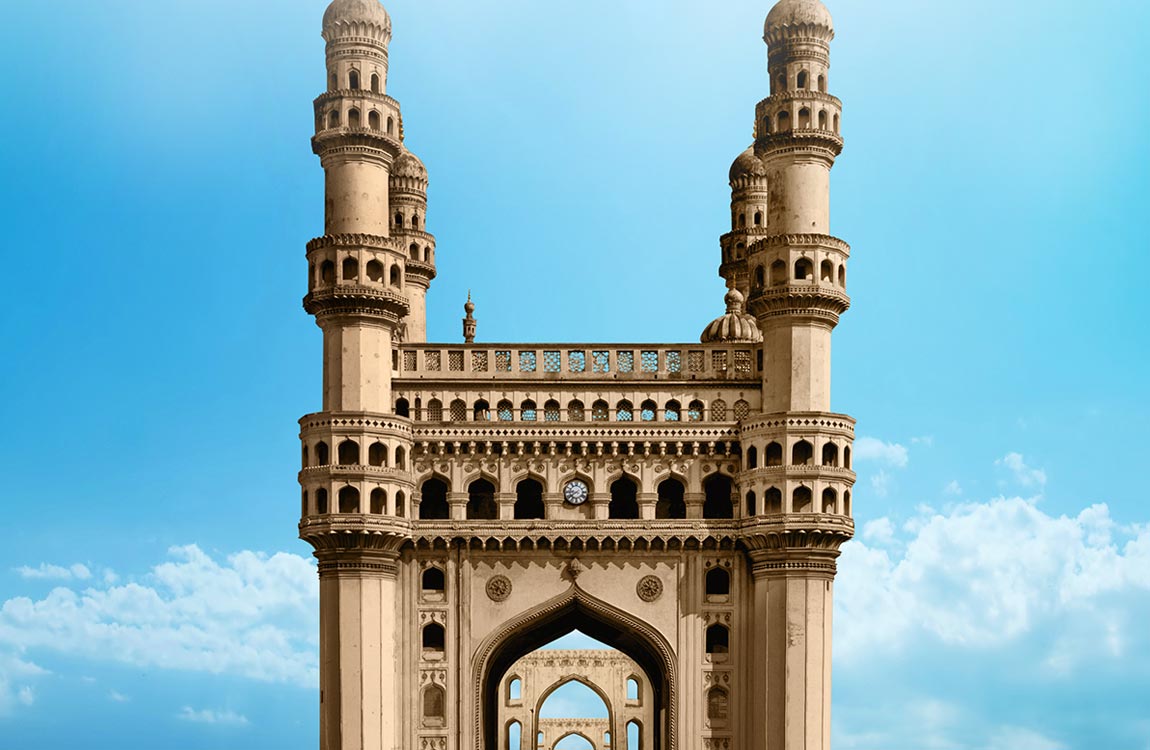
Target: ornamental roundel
649	588
498	588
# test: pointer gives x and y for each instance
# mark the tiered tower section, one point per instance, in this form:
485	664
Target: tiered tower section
796	453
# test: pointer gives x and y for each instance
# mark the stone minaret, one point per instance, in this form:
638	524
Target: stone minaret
368	275
797	276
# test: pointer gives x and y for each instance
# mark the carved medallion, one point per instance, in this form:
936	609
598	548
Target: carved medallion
649	588
498	588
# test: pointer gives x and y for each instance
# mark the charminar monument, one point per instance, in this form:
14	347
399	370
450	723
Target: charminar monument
471	502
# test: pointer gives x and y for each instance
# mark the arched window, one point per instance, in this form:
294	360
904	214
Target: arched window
802	454
350	269
719	410
600	411
321	501
623	499
804	269
433	637
778	273
742	221
717	502
742	410
400	504
804	118
758	218
527	411
514	736
773	501
515	689
695	411
634	734
575	411
767	125
348	500
830	500
551	411
415	221
633	689
327	272
348	453
481	504
784	120
390	126
435	410
373	120
624	412
801	500
333	81
847	457
396	276
413	251
375	83
433	580
672	411
836	124
751	509
774	454
402	408
333	119
353	118
458	410
427	254
353	80
801	82
717	582
433	503
671	503
399	458
827	272
760	277
823	84
842	276
399	219
505	411
433	702
822	119
481	411
718	639
378	501
648	411
717	706
752	459
304	510
303	458
529	499
375	271
847	503
377	454
322	458
830	454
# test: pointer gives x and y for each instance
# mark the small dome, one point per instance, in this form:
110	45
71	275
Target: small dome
734	327
408	164
747	165
798	13
356	11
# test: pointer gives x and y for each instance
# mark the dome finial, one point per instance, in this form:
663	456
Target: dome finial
469	322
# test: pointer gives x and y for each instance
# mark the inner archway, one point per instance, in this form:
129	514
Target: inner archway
535	629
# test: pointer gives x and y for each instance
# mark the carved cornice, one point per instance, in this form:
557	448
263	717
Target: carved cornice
418	271
811	142
812	240
356	302
812	301
355	241
338	421
799	420
350	472
340	94
344	140
792	471
798	95
355	539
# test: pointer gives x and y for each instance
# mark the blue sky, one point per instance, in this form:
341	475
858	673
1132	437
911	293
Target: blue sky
158	189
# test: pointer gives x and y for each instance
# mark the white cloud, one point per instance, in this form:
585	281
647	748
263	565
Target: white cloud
927	440
226	717
251	615
893	455
986	573
953	488
1023	474
880	483
879	531
15	674
47	571
117	697
1020	738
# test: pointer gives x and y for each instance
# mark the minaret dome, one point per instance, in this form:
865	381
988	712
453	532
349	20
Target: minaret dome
796	14
348	12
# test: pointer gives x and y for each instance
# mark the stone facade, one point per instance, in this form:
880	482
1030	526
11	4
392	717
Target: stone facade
468	503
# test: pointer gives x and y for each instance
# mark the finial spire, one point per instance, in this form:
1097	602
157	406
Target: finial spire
469	322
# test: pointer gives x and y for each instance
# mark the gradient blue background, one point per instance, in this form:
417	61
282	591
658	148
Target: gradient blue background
158	189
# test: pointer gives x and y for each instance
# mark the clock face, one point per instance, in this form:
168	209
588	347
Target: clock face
575	493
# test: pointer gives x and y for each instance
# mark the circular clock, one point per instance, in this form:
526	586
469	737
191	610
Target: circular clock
575	492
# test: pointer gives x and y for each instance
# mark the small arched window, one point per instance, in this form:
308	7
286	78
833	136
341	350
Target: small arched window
717	501
804	269
842	276
822	119
600	411
575	411
527	411
348	453
624	503
333	81
396	276
348	500
804	118
333	119
481	411
778	273
633	690
767	125
353	80
374	271
752	460
327	272
718	639
434	410
827	272
802	454
784	120
830	500
773	501
774	454
350	269
398	219
377	454
433	502
433	637
378	502
433	702
432	580
718	582
321	501
760	277
758	218
751	509
400	462
742	222
390	126
823	84
481	505
413	251
648	411
322	456
375	83
719	410
400	504
695	411
415	221
672	412
515	690
781	81
847	503
718	706
801	81
373	120
802	500
830	454
671	503
551	411
505	411
529	500
402	408
847	457
624	411
353	118
836	124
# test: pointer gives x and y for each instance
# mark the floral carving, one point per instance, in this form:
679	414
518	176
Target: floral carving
498	588
649	588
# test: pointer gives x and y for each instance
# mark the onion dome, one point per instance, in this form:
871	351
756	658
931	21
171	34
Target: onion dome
351	13
747	166
407	164
796	14
734	327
